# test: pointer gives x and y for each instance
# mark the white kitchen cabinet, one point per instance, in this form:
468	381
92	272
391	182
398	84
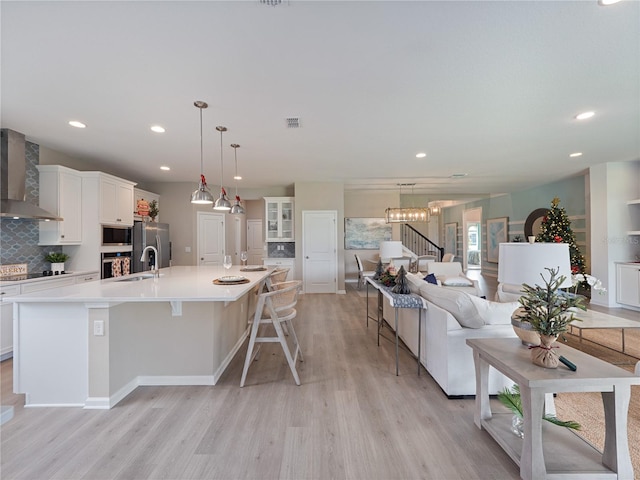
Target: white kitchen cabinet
139	194
289	263
61	194
279	215
6	321
634	205
116	200
628	284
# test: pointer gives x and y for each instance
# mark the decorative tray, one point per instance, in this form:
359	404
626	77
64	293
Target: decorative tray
231	280
258	268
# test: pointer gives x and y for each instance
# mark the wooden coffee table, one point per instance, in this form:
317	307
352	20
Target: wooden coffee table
592	320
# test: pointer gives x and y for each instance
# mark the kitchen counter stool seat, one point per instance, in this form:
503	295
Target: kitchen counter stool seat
276	308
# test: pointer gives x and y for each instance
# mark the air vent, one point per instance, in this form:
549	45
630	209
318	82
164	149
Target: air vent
458	175
293	122
272	3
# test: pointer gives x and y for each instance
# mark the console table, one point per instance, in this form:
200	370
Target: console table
562	454
397	301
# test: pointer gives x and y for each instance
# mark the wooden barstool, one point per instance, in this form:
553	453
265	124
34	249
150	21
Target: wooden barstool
276	308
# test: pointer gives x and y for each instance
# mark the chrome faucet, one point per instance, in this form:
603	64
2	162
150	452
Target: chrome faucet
155	271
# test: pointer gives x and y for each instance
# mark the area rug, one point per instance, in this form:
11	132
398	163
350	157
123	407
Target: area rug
586	407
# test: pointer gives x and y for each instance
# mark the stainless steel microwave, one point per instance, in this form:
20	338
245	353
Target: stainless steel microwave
116	236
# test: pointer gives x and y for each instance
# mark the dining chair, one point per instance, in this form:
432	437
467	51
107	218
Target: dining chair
278	275
362	273
276	308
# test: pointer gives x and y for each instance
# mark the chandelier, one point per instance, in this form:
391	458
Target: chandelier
406	214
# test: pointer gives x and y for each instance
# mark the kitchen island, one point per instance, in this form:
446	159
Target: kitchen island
91	345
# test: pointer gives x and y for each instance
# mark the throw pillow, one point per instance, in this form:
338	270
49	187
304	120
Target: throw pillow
431	278
456	303
494	313
456	281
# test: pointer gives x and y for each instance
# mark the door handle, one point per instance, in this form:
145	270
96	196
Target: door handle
307	258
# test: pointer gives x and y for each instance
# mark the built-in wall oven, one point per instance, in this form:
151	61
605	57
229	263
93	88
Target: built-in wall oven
115	264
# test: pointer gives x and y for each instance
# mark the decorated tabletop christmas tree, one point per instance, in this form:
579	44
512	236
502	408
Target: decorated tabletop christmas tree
402	284
556	228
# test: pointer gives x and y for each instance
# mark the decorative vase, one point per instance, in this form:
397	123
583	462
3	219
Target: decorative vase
57	267
524	330
517	426
542	355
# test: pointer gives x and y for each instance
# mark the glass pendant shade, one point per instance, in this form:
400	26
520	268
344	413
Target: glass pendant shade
201	196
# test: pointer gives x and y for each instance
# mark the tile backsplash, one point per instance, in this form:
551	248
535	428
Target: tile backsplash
19	238
281	250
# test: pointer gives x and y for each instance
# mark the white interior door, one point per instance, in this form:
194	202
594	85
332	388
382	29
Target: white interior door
319	252
255	242
210	238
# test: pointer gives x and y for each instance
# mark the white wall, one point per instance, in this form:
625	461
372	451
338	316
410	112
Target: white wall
611	185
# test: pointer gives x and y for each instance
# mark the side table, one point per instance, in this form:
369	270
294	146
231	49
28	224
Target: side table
397	301
562	454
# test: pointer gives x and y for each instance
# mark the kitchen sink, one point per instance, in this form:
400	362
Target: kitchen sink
135	279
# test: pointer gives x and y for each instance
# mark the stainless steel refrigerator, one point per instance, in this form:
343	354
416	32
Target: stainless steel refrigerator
153	234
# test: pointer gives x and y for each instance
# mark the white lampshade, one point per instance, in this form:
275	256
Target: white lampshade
520	263
389	250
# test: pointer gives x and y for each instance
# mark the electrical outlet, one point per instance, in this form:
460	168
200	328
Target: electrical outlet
187	249
98	328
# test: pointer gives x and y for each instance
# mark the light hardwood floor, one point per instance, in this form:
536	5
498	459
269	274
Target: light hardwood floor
350	418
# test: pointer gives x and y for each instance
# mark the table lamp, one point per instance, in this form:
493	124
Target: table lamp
389	251
520	263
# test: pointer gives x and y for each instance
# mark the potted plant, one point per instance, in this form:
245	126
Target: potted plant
549	311
57	260
153	210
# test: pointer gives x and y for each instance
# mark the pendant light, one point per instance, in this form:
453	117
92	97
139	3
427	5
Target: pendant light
237	208
222	203
406	214
202	195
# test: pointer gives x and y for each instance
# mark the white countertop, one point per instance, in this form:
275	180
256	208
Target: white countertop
6	281
188	284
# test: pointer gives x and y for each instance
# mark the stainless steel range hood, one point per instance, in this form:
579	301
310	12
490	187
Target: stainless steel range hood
12	181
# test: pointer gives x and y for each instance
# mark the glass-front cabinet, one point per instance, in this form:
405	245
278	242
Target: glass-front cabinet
279	219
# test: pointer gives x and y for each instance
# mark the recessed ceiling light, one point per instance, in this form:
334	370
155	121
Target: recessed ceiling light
75	123
421	155
576	154
164	167
604	3
157	129
585	115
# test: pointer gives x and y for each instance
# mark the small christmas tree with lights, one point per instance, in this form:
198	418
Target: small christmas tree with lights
556	228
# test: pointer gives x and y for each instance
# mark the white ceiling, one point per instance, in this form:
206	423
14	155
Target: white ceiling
489	89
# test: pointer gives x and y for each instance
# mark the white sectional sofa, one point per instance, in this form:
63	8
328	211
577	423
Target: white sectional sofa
450	275
450	319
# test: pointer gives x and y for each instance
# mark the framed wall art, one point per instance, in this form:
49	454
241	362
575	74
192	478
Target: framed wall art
365	233
496	234
451	238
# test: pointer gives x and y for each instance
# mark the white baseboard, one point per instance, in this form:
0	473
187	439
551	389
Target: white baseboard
225	363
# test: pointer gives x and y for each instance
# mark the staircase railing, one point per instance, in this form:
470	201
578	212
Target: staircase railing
418	243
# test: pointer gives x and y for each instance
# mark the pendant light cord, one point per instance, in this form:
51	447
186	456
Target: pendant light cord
201	158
